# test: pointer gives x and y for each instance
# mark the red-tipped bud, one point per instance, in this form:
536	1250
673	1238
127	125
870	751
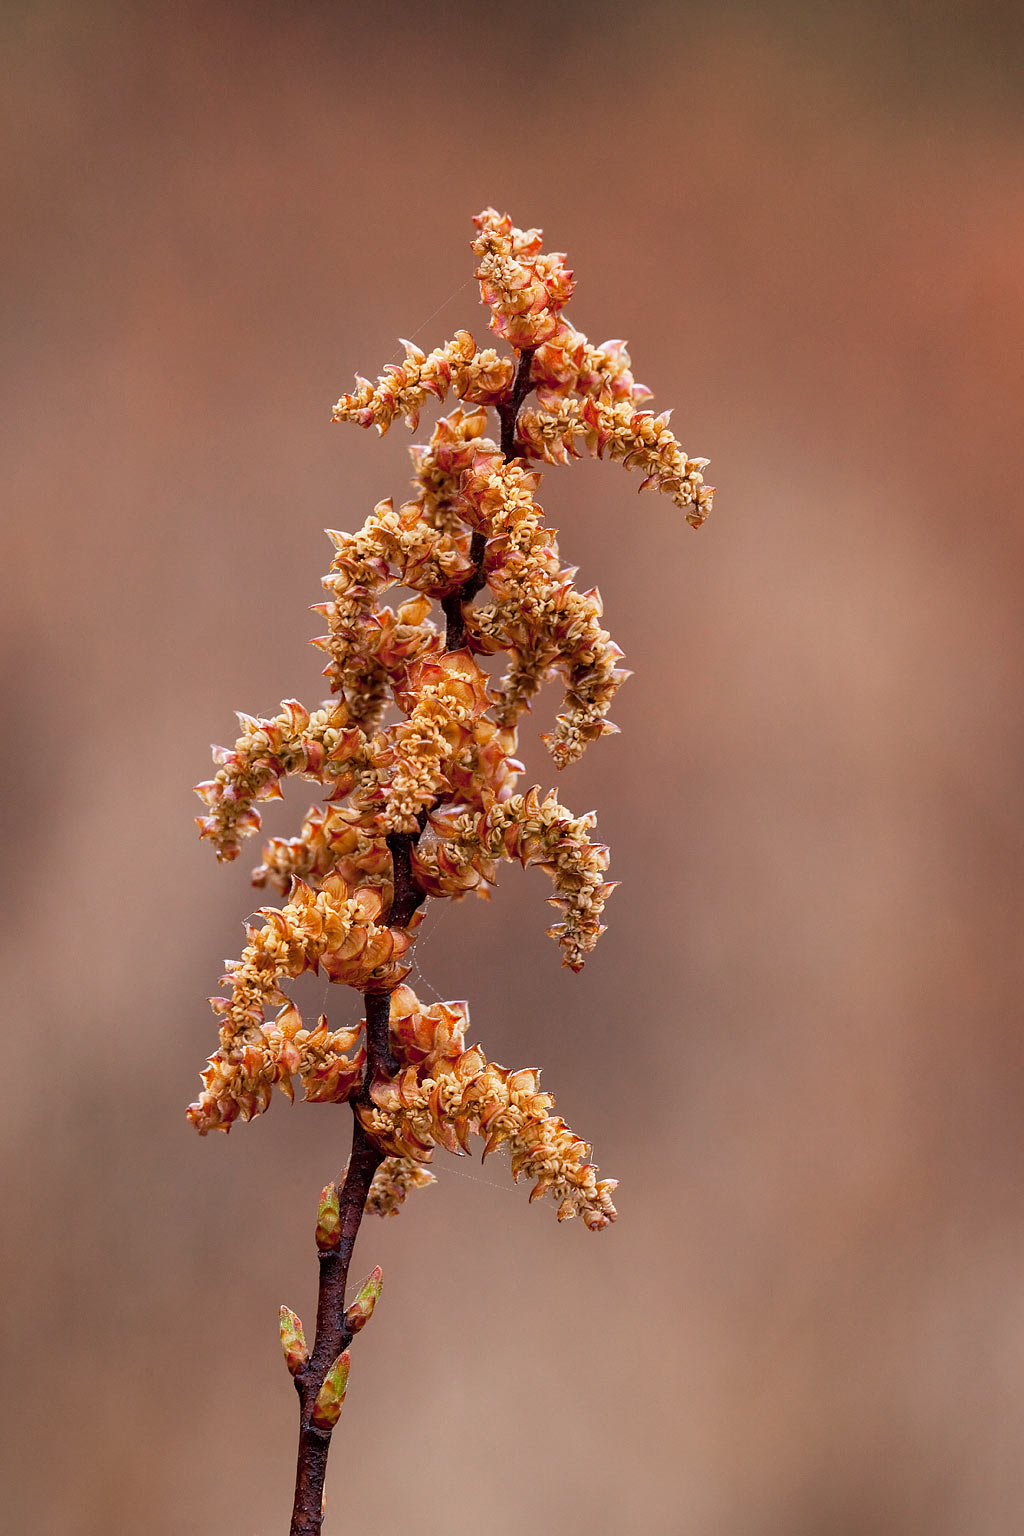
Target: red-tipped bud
328	1220
293	1341
361	1310
327	1408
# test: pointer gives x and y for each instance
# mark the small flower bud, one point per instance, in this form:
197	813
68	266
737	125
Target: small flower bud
328	1220
293	1341
361	1310
327	1408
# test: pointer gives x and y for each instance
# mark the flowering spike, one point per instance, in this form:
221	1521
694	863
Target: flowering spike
428	804
416	767
361	1310
293	1341
327	1408
328	1220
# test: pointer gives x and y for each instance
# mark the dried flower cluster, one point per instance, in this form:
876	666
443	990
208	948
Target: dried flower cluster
415	757
442	1092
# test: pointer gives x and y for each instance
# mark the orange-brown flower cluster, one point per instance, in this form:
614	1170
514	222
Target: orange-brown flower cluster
322	746
416	749
481	378
538	616
393	1180
331	929
463	853
638	439
332	839
443	1092
441	464
568	364
403	389
525	288
444	699
369	646
239	1079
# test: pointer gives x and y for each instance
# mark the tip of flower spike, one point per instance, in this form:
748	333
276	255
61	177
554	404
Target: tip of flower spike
327	1408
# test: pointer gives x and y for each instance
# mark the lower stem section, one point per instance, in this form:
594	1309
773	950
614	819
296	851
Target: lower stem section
332	1336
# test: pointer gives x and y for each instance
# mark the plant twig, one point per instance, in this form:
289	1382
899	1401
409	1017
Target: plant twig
508	410
453	748
332	1336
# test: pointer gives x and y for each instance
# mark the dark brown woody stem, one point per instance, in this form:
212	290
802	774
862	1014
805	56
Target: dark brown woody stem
408	895
332	1336
508	410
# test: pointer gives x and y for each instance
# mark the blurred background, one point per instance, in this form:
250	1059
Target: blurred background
798	1045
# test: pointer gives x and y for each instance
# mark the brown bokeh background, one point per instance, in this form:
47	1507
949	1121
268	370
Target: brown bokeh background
798	1045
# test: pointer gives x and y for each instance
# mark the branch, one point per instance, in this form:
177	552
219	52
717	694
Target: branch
508	410
450	760
408	896
332	1334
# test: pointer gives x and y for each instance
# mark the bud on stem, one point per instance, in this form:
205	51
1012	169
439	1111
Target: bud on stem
361	1310
293	1341
327	1408
328	1220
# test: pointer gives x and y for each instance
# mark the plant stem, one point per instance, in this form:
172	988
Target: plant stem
508	410
332	1337
408	896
